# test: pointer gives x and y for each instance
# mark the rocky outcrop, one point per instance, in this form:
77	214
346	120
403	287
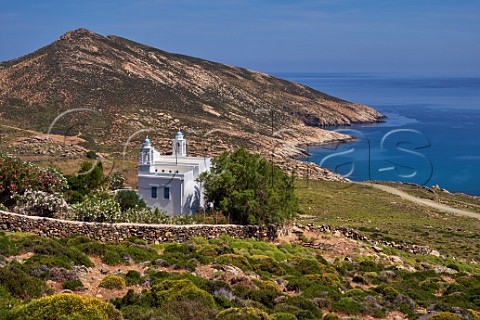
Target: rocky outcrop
352	234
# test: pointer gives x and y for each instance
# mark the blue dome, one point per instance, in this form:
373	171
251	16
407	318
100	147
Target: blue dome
179	134
146	141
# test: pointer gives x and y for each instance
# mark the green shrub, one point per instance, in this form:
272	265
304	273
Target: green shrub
311	287
283	316
72	284
7	246
359	279
183	299
349	306
166	291
120	254
133	277
234	260
7	301
142	312
355	293
46	246
243	314
129	199
60	254
331	316
309	266
89	177
20	284
93	248
179	261
368	265
75	240
267	264
445	316
46	262
266	293
209	251
114	258
306	308
65	307
453	266
184	256
330	278
73	196
78	258
112	282
131	299
139	253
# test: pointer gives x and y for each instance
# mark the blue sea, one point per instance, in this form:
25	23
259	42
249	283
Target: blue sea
431	135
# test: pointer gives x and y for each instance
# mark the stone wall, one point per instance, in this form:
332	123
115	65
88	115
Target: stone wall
152	233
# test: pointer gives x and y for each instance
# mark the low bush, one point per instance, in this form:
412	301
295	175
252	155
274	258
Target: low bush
283	316
65	307
94	248
243	314
47	262
234	260
306	308
133	277
183	299
7	246
112	282
445	316
266	264
309	266
349	306
266	293
7	301
73	284
312	286
60	252
20	284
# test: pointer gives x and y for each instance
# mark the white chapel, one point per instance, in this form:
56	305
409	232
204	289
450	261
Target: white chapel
168	182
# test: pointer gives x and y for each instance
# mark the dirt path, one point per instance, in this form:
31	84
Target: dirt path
19	129
423	202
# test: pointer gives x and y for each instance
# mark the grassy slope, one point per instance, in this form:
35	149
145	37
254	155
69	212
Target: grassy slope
455	200
380	215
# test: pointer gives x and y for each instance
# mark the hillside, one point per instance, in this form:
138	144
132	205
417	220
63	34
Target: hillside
127	87
360	253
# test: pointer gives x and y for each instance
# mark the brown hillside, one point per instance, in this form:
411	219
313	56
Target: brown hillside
130	87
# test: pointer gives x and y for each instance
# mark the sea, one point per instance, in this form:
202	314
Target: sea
430	136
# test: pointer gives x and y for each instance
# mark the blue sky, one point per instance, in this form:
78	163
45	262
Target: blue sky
421	36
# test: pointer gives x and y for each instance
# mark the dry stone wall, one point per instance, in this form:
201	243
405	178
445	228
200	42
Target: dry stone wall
152	233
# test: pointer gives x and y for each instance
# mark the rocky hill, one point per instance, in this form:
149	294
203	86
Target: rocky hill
123	87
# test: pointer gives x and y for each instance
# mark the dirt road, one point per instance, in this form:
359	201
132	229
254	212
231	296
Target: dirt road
423	202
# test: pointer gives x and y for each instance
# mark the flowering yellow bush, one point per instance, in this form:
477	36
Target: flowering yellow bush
66	307
112	282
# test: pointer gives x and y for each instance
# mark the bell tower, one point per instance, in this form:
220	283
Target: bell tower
179	145
145	163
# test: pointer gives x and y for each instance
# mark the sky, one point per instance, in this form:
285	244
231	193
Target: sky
411	36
